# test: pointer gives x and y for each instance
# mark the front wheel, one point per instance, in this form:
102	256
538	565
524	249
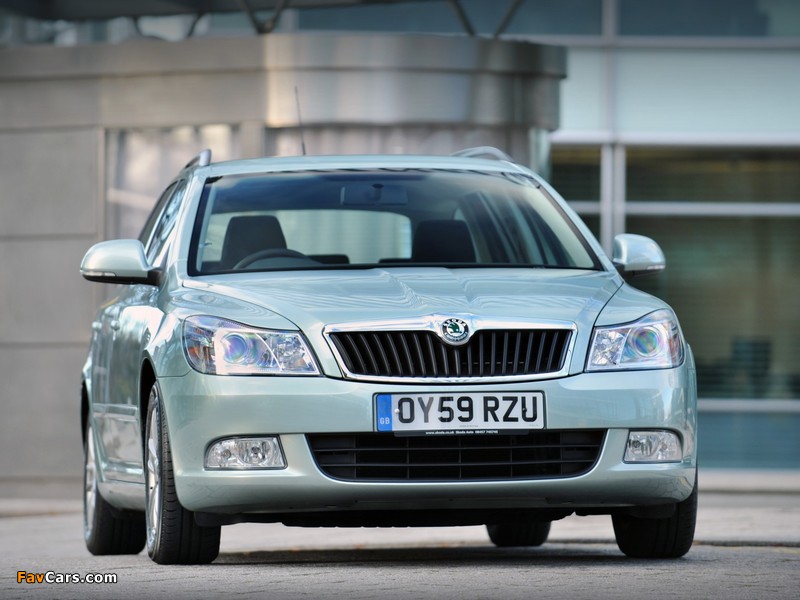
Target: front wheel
106	530
173	537
668	537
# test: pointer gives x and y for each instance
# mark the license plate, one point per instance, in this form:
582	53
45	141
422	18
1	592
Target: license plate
463	412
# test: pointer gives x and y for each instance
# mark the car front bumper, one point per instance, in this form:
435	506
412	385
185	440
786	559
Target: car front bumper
202	408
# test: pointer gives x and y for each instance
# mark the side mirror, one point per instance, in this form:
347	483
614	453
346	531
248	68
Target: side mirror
118	261
637	255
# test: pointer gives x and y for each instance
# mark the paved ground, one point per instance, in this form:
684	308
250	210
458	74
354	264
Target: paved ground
754	507
747	547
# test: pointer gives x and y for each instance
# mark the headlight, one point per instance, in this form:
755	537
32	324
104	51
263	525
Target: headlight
653	342
220	347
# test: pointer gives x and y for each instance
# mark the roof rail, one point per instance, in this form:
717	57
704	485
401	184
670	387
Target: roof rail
490	151
201	160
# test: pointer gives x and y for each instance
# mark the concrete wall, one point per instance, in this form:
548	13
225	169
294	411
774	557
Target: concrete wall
57	106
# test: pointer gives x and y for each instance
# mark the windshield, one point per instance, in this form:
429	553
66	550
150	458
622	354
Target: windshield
381	217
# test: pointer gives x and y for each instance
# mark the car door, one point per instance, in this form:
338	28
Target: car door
126	326
102	335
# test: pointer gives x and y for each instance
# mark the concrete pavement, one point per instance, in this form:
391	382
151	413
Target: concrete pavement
735	508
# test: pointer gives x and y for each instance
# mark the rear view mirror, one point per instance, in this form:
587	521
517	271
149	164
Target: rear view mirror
637	255
118	261
371	194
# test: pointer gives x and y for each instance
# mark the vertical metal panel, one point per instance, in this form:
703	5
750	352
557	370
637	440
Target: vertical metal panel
419	94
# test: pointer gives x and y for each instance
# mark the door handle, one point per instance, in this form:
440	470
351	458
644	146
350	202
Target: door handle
114	325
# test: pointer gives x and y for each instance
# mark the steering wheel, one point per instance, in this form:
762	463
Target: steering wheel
272	253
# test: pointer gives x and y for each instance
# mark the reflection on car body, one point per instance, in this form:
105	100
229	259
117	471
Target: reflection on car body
380	341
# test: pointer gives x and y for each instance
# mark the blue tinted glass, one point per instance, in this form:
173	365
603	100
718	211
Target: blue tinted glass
420	17
733	283
575	172
554	17
735	18
558	17
712	175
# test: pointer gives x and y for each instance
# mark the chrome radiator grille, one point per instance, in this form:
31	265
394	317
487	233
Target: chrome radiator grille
422	354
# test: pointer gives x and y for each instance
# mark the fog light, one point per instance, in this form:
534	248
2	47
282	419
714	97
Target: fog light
245	453
653	446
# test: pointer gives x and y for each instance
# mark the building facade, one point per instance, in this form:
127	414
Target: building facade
678	120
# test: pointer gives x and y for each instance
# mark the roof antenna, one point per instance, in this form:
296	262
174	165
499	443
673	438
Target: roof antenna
300	120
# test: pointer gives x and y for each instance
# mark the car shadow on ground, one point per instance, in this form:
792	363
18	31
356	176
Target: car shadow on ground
462	556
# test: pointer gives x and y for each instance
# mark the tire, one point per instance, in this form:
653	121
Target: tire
669	537
173	537
106	530
528	533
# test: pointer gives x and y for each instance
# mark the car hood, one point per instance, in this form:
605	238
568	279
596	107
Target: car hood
313	299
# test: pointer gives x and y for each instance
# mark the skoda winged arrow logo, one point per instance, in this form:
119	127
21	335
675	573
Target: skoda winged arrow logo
455	330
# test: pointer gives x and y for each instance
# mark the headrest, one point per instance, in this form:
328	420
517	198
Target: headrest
444	241
249	234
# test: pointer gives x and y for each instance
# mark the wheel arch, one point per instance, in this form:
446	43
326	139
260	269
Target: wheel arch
84	410
147	378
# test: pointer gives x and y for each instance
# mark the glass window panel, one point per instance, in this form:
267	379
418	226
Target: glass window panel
737	440
732	18
152	220
593	223
713	175
358	234
733	282
421	17
166	224
575	172
553	17
505	219
557	17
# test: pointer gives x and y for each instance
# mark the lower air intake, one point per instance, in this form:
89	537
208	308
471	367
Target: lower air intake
384	457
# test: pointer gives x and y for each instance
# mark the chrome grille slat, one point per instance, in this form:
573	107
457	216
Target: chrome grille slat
422	354
539	354
394	353
431	352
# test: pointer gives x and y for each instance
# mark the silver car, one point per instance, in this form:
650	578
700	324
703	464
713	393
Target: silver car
380	341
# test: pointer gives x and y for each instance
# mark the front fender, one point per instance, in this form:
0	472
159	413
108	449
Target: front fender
164	349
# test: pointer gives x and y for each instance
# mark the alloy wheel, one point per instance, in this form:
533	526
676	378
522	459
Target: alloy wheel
89	484
153	478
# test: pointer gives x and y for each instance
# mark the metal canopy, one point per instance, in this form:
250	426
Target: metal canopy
101	10
85	10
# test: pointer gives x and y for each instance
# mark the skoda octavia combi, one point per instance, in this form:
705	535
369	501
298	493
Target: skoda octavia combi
380	341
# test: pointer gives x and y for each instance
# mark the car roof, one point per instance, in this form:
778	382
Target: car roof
337	162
